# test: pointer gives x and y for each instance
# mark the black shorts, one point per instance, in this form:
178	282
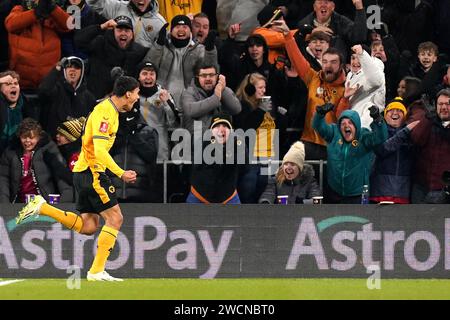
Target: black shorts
95	192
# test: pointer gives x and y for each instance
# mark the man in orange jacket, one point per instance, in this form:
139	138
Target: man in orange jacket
324	86
33	29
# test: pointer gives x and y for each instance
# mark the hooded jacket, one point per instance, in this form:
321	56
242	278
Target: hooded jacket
319	91
105	54
146	24
236	64
30	38
349	163
62	100
48	168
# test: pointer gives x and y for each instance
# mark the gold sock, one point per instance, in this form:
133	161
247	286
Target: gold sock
105	244
66	218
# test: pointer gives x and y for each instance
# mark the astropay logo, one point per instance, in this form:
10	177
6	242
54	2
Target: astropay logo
396	246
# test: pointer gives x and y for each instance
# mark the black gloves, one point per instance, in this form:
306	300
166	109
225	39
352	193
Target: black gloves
375	114
305	29
44	8
209	41
162	36
324	109
41	9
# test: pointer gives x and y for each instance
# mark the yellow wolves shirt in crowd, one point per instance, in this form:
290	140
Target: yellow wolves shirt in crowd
98	138
170	8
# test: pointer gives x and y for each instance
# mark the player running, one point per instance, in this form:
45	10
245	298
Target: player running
96	194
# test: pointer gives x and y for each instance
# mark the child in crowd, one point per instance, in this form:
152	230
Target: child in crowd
33	165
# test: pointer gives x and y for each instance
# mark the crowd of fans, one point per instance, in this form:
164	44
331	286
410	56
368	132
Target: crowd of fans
367	91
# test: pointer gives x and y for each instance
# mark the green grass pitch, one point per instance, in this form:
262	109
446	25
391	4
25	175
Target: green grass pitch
226	289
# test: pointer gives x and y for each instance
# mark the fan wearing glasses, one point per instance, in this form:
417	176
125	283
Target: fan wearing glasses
207	95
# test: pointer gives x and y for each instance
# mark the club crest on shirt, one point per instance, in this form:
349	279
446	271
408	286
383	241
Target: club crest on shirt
103	127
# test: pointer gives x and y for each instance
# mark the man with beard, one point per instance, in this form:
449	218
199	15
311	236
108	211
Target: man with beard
350	151
207	96
109	45
324	86
64	94
13	107
176	55
432	137
144	15
200	27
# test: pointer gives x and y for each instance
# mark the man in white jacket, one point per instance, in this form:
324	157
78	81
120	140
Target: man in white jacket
365	84
144	14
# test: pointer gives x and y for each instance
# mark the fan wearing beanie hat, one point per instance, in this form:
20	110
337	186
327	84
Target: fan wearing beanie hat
395	113
390	178
180	31
295	155
68	139
214	179
294	179
70	131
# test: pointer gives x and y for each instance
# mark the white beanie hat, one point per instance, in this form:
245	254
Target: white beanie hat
296	154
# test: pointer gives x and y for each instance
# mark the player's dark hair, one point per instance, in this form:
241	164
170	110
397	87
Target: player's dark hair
124	84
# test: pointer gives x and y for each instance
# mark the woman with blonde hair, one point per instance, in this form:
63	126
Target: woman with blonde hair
256	114
294	180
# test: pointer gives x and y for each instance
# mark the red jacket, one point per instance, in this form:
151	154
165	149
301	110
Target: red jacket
433	157
34	46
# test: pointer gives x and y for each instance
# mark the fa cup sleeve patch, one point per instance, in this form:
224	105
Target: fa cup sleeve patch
103	127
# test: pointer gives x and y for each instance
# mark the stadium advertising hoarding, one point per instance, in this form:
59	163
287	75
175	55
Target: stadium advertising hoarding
214	241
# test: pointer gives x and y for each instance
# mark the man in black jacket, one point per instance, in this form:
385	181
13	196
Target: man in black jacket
109	45
135	148
214	180
64	94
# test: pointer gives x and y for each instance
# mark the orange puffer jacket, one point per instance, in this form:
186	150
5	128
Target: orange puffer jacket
34	45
